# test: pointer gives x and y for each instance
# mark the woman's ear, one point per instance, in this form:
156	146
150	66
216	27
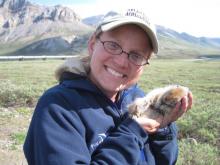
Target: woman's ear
91	43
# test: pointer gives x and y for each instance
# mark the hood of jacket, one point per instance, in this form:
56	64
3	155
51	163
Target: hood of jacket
74	65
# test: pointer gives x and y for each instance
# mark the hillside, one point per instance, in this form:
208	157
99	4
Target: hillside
183	45
31	29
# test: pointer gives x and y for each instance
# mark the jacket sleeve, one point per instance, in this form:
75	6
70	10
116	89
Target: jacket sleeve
162	147
123	146
57	136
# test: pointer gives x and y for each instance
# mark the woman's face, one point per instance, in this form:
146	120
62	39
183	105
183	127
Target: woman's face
112	73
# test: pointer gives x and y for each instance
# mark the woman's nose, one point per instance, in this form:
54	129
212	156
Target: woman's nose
122	59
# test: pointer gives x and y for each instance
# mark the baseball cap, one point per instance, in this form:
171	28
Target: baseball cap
131	16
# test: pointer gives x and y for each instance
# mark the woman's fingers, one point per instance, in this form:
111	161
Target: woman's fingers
190	100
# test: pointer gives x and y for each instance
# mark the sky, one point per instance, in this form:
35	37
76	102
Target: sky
195	17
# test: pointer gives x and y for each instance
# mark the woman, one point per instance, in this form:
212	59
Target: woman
84	120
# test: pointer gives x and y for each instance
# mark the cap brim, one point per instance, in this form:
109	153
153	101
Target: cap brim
106	26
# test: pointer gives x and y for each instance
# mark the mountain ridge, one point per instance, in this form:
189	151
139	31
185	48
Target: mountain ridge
27	28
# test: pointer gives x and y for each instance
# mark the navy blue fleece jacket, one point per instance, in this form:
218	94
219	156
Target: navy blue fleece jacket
75	123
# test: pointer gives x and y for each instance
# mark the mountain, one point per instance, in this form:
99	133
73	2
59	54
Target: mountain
23	24
31	29
94	20
174	44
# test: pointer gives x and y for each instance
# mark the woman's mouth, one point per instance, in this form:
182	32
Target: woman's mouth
114	73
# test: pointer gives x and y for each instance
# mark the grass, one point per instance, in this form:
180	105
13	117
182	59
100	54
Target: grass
18	139
22	82
197	154
31	72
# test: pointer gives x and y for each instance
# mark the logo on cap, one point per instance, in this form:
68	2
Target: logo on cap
138	14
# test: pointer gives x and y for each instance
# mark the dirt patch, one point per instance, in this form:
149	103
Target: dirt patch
14	123
8	157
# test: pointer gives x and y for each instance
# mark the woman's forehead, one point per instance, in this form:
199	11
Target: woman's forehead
129	33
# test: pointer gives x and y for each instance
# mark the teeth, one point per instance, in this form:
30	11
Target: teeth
113	72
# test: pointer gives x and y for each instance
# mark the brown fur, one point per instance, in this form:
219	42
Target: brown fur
75	65
160	101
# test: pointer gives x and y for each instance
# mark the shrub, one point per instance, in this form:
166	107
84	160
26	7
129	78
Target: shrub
12	94
197	153
18	139
201	123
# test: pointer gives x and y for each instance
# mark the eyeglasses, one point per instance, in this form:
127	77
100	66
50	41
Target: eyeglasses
115	49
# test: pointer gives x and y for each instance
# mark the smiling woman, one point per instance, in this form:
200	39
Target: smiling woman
84	118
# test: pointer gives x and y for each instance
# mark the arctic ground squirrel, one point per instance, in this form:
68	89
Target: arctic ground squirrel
160	101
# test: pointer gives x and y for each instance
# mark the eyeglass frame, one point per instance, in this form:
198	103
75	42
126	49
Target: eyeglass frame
122	51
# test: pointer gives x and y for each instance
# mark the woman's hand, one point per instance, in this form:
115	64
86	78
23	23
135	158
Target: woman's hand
151	125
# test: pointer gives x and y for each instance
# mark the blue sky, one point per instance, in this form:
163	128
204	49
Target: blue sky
196	17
